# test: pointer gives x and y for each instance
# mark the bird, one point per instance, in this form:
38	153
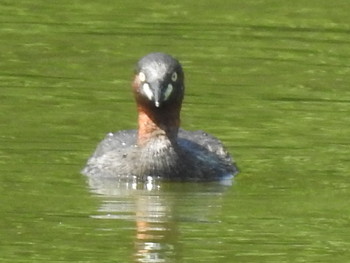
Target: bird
159	148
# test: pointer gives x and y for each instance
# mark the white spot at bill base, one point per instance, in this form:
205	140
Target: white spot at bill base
147	90
168	91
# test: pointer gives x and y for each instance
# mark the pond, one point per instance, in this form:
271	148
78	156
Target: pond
269	78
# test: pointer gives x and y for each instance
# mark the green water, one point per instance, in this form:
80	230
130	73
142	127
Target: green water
269	78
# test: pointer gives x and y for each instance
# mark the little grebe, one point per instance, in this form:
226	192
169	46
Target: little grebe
159	148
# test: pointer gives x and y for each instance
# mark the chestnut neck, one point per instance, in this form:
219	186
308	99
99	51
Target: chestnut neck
160	122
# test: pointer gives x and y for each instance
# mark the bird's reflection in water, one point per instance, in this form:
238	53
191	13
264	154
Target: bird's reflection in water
158	208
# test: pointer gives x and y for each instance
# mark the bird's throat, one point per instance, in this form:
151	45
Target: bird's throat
155	124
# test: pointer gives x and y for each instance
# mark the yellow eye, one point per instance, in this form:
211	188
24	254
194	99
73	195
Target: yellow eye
142	76
174	77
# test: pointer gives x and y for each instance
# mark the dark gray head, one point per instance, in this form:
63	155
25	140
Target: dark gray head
159	80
